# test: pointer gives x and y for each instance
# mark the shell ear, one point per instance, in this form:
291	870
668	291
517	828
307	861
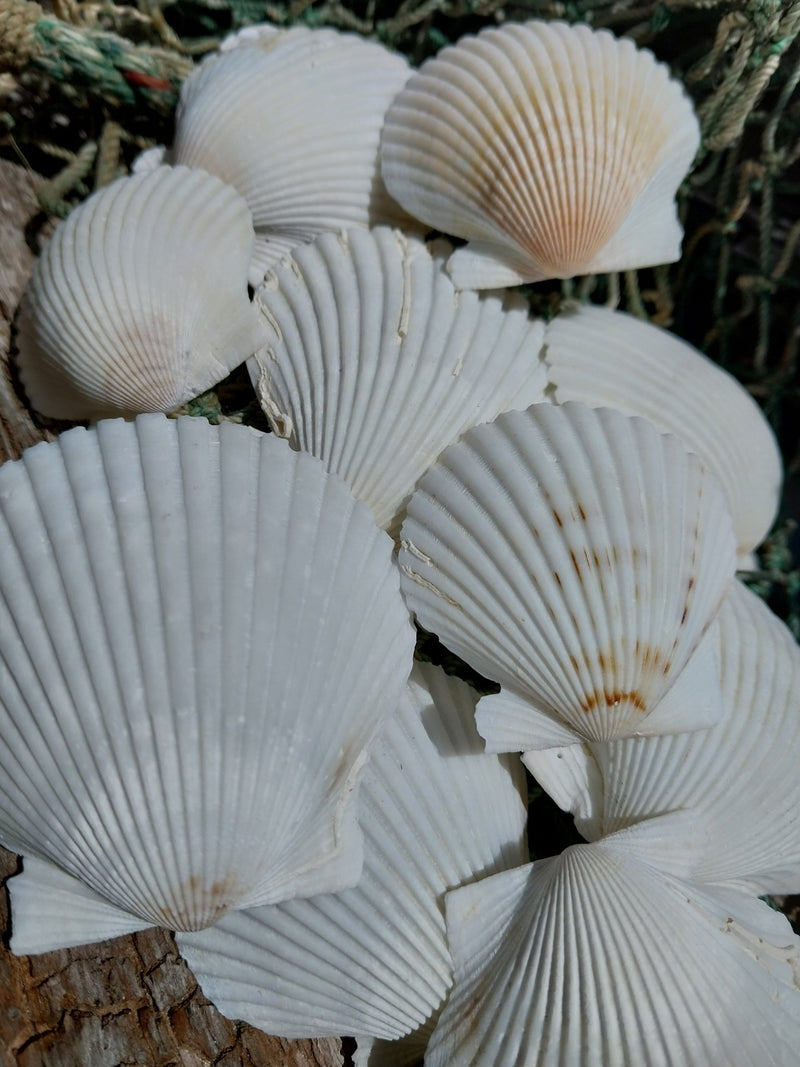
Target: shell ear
554	150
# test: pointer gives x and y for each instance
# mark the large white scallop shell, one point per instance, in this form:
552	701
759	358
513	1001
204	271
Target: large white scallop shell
606	358
292	119
376	363
740	776
577	557
201	632
555	150
436	812
599	957
139	302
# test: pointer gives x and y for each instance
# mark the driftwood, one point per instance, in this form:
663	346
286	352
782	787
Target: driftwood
132	1000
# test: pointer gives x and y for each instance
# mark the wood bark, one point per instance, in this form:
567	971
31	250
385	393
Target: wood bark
132	1000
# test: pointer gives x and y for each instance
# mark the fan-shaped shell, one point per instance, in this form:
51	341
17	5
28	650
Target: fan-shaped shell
436	812
376	363
200	634
555	150
139	302
577	557
598	957
292	119
740	776
609	359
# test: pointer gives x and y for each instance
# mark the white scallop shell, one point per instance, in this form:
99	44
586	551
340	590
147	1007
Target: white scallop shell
609	359
577	557
598	957
292	119
740	776
201	632
555	150
436	812
376	363
139	301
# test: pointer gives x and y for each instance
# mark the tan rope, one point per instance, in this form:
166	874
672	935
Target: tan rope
18	20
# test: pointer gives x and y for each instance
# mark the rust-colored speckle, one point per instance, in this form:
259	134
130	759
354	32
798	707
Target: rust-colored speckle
582	513
575	563
614	699
573	662
685	614
558	518
557	577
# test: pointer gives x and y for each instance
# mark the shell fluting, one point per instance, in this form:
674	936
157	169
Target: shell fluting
307	161
574	555
753	834
554	149
609	359
184	726
281	967
375	363
139	301
600	956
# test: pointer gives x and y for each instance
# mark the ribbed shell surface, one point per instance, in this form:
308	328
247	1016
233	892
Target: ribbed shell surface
555	150
436	812
609	359
200	634
740	776
598	956
139	301
577	557
375	363
292	119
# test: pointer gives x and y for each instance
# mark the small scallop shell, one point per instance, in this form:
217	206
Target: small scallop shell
436	812
292	119
608	359
740	776
184	726
577	557
597	956
376	363
555	150
139	302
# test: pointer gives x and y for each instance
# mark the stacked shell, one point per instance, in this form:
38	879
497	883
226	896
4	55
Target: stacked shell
374	362
216	714
292	119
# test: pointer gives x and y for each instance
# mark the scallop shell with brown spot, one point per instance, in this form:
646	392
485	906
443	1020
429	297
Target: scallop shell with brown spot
555	150
292	119
139	302
578	557
201	632
739	776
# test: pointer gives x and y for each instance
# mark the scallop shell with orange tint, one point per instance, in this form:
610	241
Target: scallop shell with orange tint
577	557
555	150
